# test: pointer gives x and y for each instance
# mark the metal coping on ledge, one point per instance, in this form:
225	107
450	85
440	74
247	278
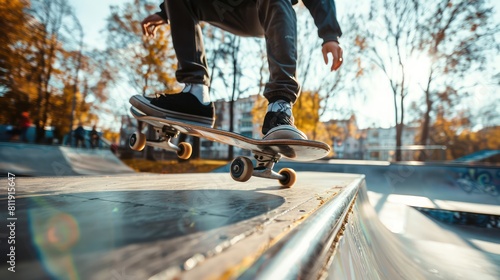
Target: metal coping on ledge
304	252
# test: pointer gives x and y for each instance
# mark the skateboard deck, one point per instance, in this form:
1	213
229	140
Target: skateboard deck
266	152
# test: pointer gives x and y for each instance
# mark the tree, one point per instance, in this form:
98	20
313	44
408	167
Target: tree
13	24
457	134
86	81
311	71
386	39
457	37
147	64
33	79
425	46
47	38
306	114
47	71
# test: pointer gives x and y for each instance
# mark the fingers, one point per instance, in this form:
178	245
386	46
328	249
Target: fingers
146	25
145	28
151	24
149	29
338	60
337	54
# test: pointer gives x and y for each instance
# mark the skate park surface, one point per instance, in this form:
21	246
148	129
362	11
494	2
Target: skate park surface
341	220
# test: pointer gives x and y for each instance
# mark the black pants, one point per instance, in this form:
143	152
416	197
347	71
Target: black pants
273	19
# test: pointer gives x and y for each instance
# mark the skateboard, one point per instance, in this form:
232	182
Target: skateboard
266	152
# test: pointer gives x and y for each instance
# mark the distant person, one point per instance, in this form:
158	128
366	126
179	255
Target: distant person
80	136
94	138
19	132
24	124
113	147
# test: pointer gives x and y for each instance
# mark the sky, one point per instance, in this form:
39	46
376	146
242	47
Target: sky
376	108
92	15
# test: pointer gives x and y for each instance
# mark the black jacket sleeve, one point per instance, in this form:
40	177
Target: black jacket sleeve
325	18
163	12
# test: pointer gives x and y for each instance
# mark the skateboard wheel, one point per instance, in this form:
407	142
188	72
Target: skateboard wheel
241	169
185	150
290	177
137	141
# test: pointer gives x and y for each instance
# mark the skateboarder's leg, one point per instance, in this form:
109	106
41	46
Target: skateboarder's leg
193	103
274	19
239	17
279	22
187	40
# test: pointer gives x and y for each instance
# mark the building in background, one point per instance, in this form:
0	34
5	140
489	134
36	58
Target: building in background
242	124
380	143
348	142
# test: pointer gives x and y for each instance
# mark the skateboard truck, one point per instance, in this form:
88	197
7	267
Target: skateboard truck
138	141
242	169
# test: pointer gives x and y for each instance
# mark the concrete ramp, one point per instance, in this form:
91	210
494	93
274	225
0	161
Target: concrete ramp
41	160
94	162
369	250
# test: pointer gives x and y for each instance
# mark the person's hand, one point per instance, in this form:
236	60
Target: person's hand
336	51
151	24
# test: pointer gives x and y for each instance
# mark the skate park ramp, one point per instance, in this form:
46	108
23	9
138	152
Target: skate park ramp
419	248
44	160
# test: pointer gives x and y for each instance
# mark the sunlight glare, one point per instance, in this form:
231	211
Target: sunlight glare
418	69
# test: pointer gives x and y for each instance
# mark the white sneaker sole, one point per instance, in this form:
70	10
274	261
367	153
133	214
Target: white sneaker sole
285	132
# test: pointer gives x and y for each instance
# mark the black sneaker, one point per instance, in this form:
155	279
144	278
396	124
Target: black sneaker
182	107
279	125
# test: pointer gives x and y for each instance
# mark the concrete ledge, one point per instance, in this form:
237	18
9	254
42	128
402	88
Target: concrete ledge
190	226
304	253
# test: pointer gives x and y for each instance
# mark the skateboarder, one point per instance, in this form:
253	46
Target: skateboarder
79	135
94	138
273	19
